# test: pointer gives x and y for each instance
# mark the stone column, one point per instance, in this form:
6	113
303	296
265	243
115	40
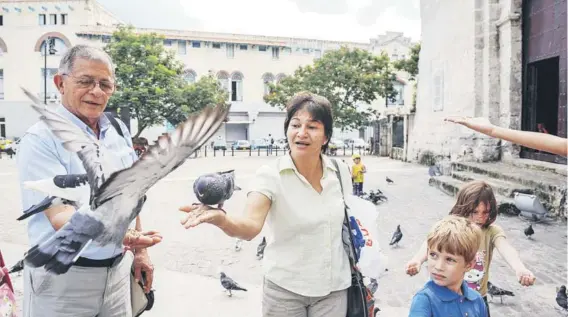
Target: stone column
509	29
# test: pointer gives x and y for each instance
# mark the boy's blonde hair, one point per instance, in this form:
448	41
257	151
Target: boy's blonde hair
455	235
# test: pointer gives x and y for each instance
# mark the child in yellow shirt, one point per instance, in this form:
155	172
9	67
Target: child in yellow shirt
357	172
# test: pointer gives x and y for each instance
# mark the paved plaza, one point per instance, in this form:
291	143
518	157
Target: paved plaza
188	261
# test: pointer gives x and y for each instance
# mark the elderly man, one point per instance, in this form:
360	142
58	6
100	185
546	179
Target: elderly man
98	284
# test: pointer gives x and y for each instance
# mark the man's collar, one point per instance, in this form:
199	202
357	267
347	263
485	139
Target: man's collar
104	122
446	295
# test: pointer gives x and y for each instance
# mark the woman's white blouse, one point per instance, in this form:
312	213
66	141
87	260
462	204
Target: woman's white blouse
304	252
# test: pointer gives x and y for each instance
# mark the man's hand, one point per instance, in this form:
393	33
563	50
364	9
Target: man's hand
199	213
139	240
141	264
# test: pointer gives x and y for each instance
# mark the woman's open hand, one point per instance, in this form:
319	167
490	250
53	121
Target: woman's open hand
199	213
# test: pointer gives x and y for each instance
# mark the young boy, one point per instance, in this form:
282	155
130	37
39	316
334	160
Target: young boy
452	245
357	172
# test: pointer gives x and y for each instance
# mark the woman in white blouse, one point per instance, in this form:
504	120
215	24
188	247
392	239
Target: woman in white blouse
306	269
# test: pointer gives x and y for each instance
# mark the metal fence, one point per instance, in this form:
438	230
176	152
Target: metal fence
208	151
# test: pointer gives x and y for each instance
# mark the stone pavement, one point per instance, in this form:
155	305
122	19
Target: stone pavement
188	261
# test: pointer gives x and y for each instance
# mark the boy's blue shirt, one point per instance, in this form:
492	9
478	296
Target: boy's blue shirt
434	300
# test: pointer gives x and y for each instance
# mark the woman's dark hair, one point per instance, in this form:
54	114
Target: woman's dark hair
469	197
317	106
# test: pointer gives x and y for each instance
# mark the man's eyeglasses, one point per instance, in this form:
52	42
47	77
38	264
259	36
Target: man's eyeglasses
106	86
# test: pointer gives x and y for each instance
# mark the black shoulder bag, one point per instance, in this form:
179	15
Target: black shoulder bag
360	300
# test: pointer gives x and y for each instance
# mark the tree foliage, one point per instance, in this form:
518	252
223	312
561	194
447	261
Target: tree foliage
410	64
150	81
348	78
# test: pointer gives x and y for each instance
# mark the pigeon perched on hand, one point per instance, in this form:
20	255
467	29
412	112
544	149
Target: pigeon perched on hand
562	298
260	249
215	188
389	181
529	231
496	291
230	285
116	197
396	236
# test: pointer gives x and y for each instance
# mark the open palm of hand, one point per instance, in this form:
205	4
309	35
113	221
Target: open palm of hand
199	213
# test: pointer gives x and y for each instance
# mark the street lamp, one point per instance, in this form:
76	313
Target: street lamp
51	42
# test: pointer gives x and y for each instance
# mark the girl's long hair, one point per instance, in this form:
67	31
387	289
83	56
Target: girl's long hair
469	197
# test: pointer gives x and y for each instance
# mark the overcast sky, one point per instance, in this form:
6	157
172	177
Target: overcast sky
343	20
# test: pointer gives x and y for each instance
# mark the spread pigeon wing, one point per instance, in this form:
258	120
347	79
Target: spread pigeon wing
168	154
75	140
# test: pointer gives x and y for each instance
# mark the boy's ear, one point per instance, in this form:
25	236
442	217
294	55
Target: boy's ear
470	265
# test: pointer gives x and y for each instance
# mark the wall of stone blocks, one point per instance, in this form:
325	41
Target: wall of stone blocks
448	50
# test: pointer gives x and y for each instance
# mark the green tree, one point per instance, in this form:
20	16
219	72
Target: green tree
347	77
410	64
150	83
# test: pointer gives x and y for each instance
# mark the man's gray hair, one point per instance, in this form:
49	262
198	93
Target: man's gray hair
85	52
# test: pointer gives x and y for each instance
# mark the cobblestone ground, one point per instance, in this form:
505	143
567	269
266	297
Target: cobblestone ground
412	203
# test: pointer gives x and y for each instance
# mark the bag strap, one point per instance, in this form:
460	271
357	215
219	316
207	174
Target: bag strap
346	222
115	124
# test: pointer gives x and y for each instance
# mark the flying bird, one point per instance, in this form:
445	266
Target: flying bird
260	249
116	197
230	285
561	297
396	236
529	231
496	291
69	189
215	188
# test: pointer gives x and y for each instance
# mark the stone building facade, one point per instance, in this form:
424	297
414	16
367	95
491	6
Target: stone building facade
475	61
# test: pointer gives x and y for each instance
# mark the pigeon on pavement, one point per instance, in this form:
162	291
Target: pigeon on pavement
562	298
116	196
260	249
529	231
230	285
396	236
389	181
215	188
496	291
238	244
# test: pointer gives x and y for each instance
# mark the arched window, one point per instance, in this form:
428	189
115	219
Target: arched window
223	78
190	76
3	48
267	78
56	46
237	86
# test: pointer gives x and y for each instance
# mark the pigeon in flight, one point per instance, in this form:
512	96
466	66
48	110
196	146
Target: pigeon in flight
260	249
69	189
115	198
396	236
17	267
230	285
529	231
561	297
389	181
215	188
496	291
